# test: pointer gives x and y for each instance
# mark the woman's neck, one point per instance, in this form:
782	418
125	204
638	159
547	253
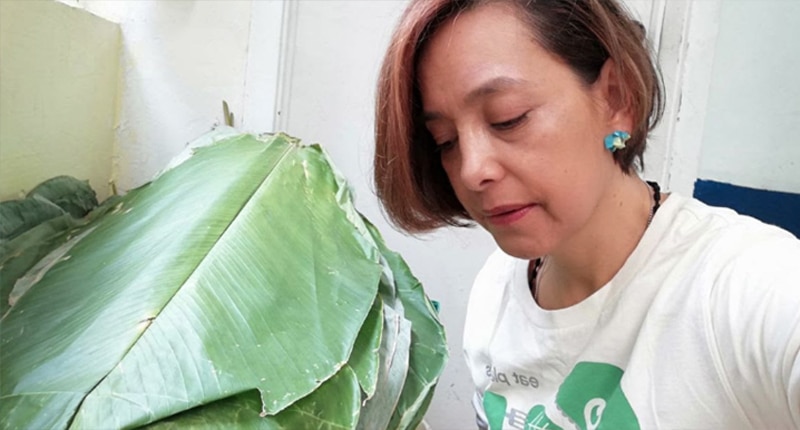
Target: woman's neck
596	252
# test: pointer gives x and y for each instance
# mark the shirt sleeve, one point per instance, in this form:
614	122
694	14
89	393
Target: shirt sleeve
755	322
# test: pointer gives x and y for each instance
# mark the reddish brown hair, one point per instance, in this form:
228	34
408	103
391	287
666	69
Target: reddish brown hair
409	178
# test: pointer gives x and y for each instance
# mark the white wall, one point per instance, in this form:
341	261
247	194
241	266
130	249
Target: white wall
180	60
752	132
58	86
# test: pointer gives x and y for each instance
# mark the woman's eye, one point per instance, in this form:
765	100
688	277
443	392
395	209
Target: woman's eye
507	125
444	146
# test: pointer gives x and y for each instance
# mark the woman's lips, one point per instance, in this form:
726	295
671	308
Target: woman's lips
505	215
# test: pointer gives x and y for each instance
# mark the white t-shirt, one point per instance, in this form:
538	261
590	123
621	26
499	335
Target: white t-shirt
700	329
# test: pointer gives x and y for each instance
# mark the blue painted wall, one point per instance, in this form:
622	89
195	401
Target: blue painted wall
773	207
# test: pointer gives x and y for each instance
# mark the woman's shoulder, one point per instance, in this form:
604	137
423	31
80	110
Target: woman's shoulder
726	235
753	270
720	261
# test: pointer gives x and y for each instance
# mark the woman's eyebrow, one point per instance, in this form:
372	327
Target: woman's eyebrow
492	86
489	87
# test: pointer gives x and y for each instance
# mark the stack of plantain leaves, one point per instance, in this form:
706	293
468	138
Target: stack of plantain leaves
238	289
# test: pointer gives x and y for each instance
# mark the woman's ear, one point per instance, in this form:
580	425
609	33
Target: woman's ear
610	90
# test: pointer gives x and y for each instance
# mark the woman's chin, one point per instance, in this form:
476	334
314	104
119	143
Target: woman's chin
520	248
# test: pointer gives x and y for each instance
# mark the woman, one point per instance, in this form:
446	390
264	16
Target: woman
608	304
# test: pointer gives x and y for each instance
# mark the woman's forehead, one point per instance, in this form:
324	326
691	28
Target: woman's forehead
483	51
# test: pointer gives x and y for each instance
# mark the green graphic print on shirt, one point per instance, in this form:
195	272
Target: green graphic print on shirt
590	396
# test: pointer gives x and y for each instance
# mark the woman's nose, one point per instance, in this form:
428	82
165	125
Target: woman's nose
480	163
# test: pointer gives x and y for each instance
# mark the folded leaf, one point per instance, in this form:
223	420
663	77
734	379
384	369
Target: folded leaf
238	288
21	254
377	411
19	216
73	196
365	358
334	406
215	283
428	349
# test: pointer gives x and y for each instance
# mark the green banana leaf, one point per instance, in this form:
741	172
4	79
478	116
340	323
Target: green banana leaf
366	352
239	288
50	199
428	348
73	196
39	236
18	216
335	405
377	411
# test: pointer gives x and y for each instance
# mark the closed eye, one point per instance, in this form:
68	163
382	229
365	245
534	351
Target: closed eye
444	146
508	125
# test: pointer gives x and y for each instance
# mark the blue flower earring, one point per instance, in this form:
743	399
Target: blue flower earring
616	140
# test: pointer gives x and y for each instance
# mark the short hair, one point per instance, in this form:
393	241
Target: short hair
409	179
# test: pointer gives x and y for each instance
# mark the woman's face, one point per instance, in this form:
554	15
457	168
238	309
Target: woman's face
520	135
